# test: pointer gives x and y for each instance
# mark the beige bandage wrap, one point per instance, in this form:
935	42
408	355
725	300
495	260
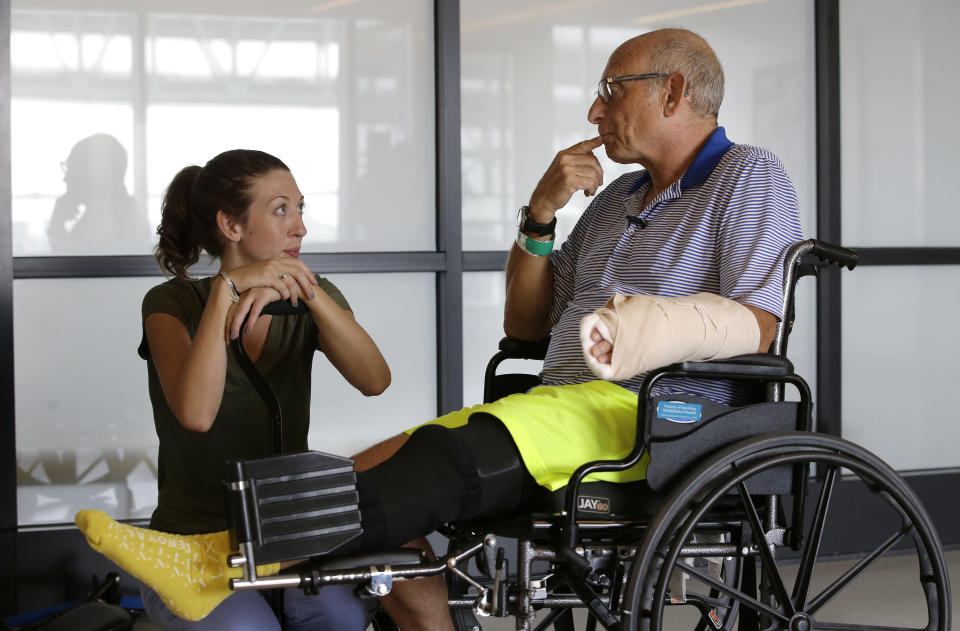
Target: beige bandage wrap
648	332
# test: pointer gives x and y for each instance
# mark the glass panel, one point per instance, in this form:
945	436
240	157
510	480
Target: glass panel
107	105
899	89
899	364
343	420
85	436
528	78
483	296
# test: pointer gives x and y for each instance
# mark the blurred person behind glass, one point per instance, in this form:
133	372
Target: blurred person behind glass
96	214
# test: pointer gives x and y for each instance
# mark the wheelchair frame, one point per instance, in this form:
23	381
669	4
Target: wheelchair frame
624	571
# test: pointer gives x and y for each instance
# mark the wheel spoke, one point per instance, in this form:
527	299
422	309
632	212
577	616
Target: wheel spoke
736	594
812	549
766	556
834	588
551	618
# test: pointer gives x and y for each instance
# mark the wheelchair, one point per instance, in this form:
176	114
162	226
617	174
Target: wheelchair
729	530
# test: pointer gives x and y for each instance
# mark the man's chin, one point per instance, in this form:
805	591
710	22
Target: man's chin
618	155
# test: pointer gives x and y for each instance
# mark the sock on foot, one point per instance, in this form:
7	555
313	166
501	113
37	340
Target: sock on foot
188	572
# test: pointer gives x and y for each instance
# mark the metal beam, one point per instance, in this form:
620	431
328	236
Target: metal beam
8	439
908	256
827	39
485	261
449	220
133	266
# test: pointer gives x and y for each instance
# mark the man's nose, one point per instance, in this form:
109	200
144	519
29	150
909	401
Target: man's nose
595	113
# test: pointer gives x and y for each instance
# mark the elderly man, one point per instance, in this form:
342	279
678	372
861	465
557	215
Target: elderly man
680	260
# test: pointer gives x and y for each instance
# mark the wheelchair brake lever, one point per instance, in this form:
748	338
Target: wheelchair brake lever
500	570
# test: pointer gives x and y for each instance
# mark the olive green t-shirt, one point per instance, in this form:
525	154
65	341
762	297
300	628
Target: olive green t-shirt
192	465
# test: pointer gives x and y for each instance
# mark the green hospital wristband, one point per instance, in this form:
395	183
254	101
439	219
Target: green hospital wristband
532	246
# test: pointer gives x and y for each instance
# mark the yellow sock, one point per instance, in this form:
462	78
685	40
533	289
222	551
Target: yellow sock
188	572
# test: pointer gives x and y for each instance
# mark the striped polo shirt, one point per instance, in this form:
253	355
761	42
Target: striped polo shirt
723	228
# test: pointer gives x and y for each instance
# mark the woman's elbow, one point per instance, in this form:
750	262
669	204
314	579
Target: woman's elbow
377	385
195	422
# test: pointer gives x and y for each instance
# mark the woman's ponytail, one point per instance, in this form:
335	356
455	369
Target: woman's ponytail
180	236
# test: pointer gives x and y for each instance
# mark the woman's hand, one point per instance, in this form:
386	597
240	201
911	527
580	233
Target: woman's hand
259	284
250	306
289	277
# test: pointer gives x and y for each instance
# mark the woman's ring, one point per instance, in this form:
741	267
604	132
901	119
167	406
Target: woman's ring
283	275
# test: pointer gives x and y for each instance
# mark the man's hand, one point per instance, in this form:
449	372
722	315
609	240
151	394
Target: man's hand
602	350
573	169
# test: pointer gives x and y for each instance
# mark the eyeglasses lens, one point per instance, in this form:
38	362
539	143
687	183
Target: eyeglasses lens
603	90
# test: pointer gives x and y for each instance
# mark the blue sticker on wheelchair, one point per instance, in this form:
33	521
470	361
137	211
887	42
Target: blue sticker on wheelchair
679	411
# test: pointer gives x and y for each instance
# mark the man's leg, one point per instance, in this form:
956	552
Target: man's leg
419	604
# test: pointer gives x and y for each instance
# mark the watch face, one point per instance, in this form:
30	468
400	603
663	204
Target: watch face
542	229
529	225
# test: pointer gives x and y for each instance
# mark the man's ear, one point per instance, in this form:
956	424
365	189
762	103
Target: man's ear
677	90
229	227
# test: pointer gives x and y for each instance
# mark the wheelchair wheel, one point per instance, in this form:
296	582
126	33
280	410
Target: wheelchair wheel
803	592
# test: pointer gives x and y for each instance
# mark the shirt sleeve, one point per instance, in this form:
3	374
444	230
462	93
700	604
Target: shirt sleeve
176	298
331	290
760	223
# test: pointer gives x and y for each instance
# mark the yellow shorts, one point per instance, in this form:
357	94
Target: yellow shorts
558	428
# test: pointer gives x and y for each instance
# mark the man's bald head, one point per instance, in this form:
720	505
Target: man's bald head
673	50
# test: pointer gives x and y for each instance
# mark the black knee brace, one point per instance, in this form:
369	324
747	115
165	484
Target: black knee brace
442	475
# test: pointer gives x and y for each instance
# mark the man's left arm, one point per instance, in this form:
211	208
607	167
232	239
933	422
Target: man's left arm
768	327
634	334
758	225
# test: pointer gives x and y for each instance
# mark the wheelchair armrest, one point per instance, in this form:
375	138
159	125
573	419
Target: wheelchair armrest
754	364
523	349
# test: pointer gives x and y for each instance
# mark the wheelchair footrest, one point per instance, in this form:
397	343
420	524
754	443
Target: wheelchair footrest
402	556
293	506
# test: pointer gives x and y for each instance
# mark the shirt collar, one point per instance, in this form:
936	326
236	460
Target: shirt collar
715	148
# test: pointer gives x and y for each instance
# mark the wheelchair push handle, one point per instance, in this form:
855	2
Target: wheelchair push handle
277	308
283	307
830	253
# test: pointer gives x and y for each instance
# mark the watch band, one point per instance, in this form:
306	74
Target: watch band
534	227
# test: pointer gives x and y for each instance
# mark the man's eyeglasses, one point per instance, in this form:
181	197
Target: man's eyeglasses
603	87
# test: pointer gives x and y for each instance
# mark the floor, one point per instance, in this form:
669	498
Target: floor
888	599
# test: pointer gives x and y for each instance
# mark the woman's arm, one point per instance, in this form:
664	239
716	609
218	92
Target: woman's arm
348	346
192	373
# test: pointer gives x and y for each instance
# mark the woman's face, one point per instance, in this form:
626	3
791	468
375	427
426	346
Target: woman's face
274	223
